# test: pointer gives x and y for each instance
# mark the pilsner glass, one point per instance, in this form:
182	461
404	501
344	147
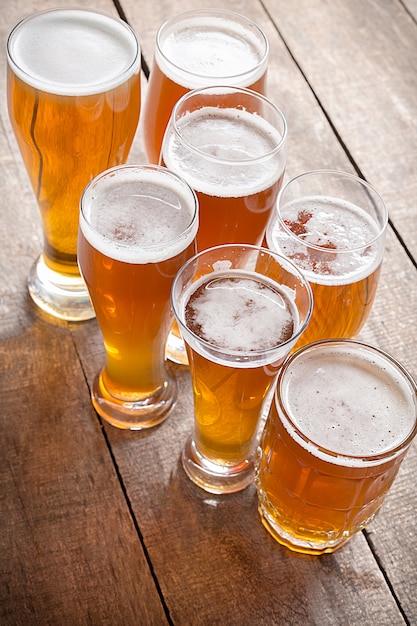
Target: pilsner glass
74	101
230	146
332	225
342	419
240	309
137	228
199	48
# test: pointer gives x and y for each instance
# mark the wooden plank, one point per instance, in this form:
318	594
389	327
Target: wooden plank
70	551
214	539
411	6
324	39
360	58
213	559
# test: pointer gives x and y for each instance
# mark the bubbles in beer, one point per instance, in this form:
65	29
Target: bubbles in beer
140	216
231	144
347	401
344	232
240	312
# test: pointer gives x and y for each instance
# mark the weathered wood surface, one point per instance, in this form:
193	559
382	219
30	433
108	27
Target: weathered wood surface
70	551
101	526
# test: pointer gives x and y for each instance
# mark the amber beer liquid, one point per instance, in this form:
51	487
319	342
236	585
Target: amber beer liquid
224	310
195	49
238	326
136	231
342	419
339	247
235	165
74	102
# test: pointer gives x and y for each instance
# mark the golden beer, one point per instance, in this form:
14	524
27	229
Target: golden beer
74	102
238	324
336	238
196	49
230	146
342	419
137	228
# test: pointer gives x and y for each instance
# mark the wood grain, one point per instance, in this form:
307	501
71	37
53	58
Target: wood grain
70	549
359	57
101	526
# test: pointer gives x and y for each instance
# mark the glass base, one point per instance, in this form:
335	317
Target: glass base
212	477
175	349
134	415
64	297
299	545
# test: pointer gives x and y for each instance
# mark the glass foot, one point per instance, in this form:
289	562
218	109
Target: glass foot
212	477
304	546
134	414
64	297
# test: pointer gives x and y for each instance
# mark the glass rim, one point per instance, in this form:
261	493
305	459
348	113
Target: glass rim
95	88
362	460
284	261
213	12
382	226
149	167
220	90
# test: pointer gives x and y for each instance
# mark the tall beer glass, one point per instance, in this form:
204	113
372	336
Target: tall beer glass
332	225
342	419
137	228
240	310
74	100
230	146
195	49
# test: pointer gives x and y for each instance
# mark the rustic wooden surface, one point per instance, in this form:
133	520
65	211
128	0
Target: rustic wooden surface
101	526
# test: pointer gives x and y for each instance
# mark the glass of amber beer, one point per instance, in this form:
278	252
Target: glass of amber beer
342	419
199	48
74	101
230	146
137	228
240	309
332	225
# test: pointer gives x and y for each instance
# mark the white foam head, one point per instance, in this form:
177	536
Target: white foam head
349	399
338	243
241	319
73	51
139	214
203	47
241	313
233	153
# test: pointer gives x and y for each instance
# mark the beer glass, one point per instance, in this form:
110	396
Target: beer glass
195	49
230	146
332	225
137	228
240	309
342	419
74	100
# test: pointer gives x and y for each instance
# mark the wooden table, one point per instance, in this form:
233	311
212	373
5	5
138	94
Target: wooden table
100	526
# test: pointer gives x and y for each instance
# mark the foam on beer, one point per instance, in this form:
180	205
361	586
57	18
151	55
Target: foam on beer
240	312
73	52
335	225
206	50
139	216
227	141
349	401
